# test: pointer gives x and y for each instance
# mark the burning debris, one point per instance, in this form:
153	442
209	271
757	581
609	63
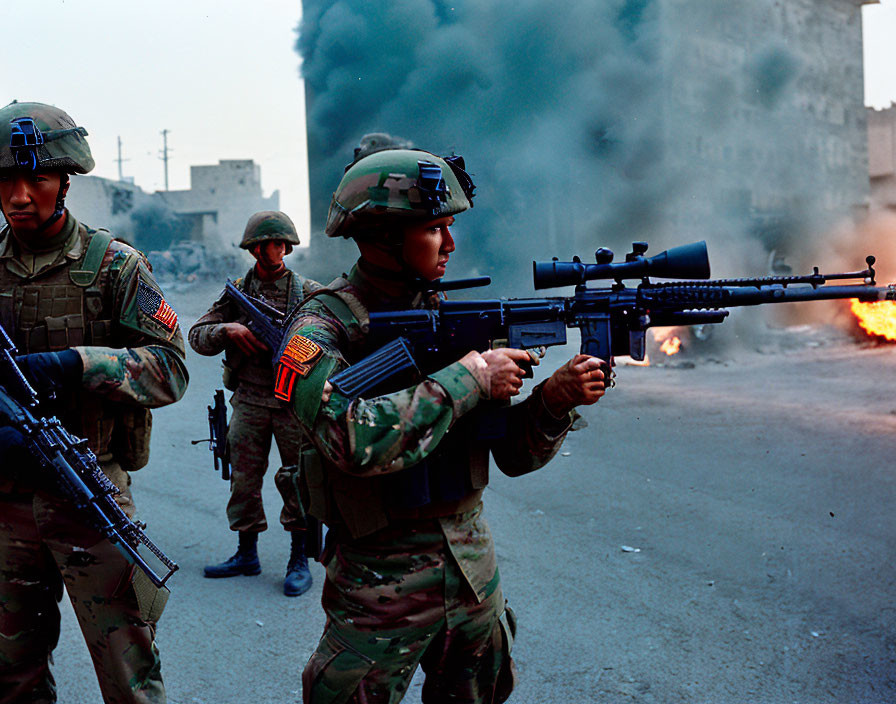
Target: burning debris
671	345
876	319
876	233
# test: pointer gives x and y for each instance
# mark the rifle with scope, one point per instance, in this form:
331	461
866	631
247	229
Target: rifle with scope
612	320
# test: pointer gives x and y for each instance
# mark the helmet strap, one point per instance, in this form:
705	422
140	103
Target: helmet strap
60	204
390	241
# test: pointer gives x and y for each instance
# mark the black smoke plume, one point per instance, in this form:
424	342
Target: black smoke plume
593	122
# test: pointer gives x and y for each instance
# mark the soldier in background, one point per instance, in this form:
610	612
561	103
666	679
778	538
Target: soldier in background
411	570
257	415
91	326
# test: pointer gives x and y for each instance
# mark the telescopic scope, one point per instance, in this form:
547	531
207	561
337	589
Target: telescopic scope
688	261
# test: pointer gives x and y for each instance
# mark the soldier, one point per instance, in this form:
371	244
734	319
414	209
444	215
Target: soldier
92	324
411	571
257	415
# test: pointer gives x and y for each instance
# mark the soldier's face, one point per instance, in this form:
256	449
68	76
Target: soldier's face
29	198
427	246
269	255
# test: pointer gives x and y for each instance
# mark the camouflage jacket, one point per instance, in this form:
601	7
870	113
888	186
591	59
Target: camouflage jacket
250	378
371	447
115	317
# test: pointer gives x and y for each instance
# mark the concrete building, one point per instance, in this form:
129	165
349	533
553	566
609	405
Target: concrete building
764	113
220	200
102	202
882	158
212	212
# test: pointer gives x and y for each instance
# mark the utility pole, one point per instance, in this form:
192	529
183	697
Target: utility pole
164	155
120	160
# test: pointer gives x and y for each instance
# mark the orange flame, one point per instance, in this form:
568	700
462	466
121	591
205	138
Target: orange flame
876	318
671	345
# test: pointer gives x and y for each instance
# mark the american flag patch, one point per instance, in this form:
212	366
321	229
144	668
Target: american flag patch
152	304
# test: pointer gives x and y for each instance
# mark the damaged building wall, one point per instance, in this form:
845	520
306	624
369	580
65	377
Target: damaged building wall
212	213
882	158
220	200
605	122
765	117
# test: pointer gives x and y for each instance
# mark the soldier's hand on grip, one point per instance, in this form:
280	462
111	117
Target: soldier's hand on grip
500	371
579	382
13	451
244	338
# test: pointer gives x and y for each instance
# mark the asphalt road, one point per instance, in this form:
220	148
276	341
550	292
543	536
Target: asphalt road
720	532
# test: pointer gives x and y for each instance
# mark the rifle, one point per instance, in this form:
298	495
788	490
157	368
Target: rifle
613	320
217	435
266	322
73	468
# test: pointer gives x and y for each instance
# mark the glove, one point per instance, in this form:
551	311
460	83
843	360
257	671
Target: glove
52	373
13	450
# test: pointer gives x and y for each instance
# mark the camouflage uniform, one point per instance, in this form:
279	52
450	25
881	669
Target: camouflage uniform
103	302
257	415
411	571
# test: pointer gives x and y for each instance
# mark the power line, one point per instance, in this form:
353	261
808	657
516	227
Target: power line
120	160
164	154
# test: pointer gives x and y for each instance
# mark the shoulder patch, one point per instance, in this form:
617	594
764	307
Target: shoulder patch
152	304
299	357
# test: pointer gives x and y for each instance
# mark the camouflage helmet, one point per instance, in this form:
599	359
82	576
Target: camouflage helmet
39	137
268	225
397	183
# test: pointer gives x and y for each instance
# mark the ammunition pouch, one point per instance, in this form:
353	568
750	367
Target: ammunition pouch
238	369
230	376
151	600
506	679
130	437
312	486
66	308
454	470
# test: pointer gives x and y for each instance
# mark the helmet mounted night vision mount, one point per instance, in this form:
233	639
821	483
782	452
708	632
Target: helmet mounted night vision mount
25	138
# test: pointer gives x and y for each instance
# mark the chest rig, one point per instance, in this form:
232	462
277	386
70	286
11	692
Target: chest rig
62	307
67	306
457	469
257	370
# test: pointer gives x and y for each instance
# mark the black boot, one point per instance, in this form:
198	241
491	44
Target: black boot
298	578
244	561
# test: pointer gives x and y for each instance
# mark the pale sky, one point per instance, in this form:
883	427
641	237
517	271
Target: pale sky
220	75
879	27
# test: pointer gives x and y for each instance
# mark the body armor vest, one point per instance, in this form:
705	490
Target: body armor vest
237	367
66	307
439	485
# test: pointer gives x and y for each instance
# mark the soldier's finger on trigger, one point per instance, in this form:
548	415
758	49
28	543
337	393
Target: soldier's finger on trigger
535	355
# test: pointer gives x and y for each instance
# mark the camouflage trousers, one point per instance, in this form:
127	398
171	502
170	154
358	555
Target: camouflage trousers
249	438
42	546
398	600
